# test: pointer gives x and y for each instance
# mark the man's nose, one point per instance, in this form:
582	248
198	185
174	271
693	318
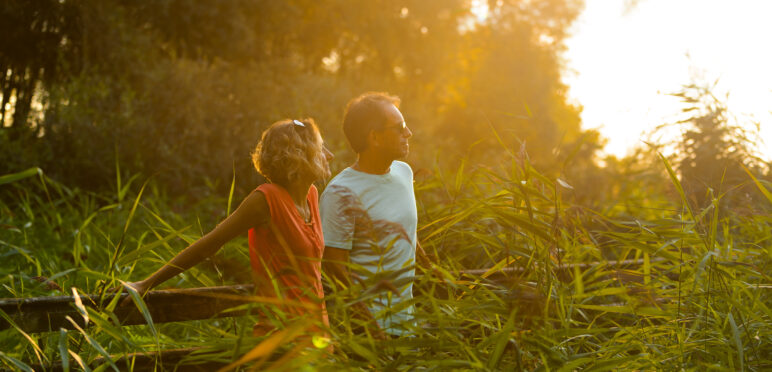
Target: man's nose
407	133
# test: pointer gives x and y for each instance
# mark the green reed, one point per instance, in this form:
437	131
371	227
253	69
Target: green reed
700	300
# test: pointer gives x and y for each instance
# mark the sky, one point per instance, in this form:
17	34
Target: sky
622	61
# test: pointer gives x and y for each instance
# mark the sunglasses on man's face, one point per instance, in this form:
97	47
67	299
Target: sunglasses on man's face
399	128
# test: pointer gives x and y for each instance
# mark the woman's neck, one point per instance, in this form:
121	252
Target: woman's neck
299	191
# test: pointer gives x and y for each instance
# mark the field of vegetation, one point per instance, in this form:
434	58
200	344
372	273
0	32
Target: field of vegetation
700	300
125	133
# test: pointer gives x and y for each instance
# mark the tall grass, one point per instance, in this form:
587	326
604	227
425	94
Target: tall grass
700	300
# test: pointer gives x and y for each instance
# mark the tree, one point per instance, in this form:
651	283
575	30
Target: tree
182	89
713	149
38	46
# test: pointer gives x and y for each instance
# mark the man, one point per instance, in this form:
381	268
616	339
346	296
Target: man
368	211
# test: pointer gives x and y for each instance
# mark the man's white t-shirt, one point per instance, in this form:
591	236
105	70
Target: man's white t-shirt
374	216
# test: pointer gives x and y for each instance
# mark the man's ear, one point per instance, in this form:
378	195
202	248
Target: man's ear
373	140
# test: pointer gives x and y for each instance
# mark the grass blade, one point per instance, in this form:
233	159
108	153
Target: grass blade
503	338
63	350
269	345
141	306
230	193
761	187
38	352
79	360
737	341
21	366
13	177
677	184
101	350
79	305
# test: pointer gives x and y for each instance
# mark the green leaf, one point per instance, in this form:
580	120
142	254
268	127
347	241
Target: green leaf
502	339
79	360
79	305
761	187
564	184
608	308
119	246
13	177
101	350
614	364
677	184
133	255
460	176
63	350
141	306
17	363
737	341
230	194
38	352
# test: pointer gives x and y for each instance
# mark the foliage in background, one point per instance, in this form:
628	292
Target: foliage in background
713	149
182	89
106	95
699	301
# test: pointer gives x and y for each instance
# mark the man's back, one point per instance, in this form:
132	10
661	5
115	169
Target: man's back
374	217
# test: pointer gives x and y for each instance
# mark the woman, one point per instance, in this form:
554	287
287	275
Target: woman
282	217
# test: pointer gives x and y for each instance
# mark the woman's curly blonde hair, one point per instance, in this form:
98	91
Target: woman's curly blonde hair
289	151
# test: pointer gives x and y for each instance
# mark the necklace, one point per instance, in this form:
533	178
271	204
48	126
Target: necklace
304	212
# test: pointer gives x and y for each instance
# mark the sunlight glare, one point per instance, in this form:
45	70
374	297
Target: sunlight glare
621	65
479	9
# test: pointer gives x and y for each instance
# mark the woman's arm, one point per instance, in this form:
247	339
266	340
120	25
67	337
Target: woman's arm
253	212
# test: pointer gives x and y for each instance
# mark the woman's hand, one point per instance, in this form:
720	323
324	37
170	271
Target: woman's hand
252	212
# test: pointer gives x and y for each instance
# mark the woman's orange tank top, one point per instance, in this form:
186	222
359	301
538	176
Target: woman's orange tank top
295	268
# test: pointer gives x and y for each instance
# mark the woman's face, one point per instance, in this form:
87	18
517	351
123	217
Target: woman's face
325	156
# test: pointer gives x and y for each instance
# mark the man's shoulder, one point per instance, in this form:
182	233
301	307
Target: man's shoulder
401	164
342	177
340	184
401	168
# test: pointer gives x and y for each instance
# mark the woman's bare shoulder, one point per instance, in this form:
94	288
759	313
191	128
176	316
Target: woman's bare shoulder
256	206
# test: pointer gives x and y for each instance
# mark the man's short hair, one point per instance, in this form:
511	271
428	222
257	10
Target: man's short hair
364	114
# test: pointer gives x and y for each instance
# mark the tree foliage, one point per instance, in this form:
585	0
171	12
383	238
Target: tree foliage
713	149
182	89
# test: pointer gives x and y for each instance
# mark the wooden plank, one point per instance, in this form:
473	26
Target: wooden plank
44	314
164	360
